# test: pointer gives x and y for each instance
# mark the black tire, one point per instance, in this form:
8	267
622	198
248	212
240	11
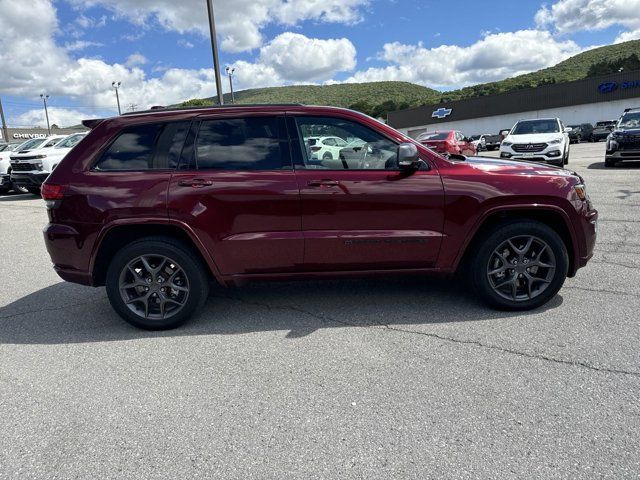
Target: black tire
609	163
578	139
19	189
565	161
327	156
479	265
175	250
34	190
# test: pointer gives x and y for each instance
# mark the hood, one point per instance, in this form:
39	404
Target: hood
513	167
32	153
627	131
534	138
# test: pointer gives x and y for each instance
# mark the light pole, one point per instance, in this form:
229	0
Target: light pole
214	48
116	85
230	71
46	110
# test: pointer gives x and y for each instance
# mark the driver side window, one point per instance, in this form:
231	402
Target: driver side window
355	147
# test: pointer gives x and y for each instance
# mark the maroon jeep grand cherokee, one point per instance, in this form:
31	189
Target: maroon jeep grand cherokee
156	204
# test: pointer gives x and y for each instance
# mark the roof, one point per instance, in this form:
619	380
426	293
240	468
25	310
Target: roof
212	107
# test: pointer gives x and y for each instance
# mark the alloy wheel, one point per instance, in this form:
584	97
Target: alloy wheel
154	287
521	268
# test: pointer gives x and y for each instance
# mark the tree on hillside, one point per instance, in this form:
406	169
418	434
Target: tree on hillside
605	67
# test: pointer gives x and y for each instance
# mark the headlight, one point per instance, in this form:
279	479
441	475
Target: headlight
506	144
556	141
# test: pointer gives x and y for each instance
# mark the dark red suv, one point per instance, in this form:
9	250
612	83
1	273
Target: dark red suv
155	205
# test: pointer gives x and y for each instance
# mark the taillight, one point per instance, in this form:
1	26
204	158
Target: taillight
316	149
52	192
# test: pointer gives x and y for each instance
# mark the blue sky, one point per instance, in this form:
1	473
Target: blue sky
159	49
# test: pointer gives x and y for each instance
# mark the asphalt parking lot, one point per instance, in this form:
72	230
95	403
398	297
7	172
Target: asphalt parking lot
393	378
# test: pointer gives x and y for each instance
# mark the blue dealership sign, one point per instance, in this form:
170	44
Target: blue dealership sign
441	113
607	87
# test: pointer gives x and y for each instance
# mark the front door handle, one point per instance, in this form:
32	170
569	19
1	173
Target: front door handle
323	183
195	183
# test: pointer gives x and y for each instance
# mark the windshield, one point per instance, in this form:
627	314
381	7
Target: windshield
527	127
433	136
475	137
70	141
630	120
51	142
31	144
605	124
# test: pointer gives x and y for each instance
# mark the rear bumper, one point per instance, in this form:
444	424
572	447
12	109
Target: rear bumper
69	252
28	179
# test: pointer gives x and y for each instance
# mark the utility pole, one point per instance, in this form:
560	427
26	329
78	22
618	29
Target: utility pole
230	71
214	48
116	85
132	107
5	130
46	110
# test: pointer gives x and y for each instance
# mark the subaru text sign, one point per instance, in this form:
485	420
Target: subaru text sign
441	113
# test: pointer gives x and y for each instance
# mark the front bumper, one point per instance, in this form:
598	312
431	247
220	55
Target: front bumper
551	154
621	155
28	180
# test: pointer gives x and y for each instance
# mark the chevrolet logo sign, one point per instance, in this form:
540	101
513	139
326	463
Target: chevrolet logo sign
441	113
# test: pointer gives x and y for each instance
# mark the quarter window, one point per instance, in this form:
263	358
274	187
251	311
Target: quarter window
146	147
357	147
251	143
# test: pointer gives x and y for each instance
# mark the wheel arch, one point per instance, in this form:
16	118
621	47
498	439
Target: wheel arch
116	236
553	217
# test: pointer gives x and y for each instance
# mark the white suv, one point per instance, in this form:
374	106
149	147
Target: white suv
5	162
325	148
537	140
28	167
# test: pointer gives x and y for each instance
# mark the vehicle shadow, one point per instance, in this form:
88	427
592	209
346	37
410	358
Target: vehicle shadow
17	197
66	313
621	166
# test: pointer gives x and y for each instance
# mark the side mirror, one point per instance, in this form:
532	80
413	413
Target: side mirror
408	155
567	129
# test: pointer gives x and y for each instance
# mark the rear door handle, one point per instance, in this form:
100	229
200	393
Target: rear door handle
195	183
323	183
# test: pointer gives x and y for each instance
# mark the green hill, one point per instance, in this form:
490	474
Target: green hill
375	98
598	61
379	98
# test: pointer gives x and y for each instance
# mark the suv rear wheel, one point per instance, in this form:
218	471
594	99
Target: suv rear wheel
519	266
156	283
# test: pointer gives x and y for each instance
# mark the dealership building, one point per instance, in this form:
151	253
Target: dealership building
583	101
15	135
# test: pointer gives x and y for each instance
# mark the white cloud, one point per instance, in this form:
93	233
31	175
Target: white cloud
628	36
185	43
81	45
136	60
239	23
61	117
494	57
568	16
308	59
87	81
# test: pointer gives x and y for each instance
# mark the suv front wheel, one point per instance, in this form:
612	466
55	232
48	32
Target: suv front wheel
519	266
156	283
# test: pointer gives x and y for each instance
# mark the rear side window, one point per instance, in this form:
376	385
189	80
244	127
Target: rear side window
146	147
251	143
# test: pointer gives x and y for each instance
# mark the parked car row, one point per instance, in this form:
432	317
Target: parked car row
24	166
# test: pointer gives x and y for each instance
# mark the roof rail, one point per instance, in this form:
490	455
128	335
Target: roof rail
158	108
